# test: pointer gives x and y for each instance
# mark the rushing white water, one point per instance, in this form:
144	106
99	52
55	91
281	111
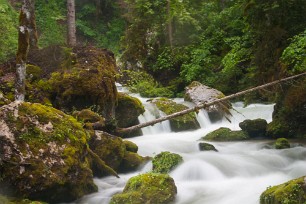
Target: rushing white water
237	174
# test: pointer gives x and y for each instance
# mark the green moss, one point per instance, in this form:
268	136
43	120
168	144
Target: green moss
254	128
164	162
181	123
207	147
130	146
281	143
8	200
131	161
225	134
147	188
291	192
127	110
33	72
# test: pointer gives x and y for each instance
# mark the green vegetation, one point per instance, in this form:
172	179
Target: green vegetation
8	31
164	162
147	188
225	134
291	192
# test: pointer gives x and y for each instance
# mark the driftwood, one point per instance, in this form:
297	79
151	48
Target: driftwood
203	105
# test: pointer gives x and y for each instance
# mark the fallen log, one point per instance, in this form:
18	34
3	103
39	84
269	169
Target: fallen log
203	105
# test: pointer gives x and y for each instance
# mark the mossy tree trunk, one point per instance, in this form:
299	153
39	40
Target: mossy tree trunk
71	35
27	31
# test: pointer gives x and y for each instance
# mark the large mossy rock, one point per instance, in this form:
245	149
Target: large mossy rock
164	162
127	111
92	120
181	123
10	200
281	143
254	128
290	112
291	192
87	79
199	93
43	154
149	188
113	151
225	134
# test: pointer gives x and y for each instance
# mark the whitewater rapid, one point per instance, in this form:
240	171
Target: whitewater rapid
237	174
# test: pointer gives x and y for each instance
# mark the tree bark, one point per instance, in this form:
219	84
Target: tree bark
32	27
203	105
71	35
25	23
170	30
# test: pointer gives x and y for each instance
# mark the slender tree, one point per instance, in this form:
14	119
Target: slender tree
27	31
71	38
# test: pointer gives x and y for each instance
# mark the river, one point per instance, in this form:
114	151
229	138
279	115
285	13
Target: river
237	174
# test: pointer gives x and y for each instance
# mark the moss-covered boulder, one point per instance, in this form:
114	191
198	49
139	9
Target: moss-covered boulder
281	143
43	154
254	128
207	147
127	111
164	162
10	200
149	188
290	112
110	149
291	192
225	134
132	161
86	80
130	146
199	93
181	123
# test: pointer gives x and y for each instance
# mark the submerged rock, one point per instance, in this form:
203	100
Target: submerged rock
207	147
225	134
164	162
254	128
181	123
281	143
291	192
43	154
199	93
149	188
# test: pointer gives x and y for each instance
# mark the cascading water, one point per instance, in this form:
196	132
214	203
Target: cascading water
237	174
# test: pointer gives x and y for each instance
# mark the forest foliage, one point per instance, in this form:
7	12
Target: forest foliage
229	45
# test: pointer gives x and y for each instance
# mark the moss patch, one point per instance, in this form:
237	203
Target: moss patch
164	162
181	123
281	143
291	192
147	188
225	134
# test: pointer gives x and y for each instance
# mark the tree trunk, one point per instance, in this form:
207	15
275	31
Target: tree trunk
170	30
71	36
25	28
32	27
203	105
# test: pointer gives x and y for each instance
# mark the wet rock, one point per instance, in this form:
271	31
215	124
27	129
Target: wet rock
281	143
130	146
43	154
293	191
127	111
254	128
199	93
225	134
207	147
150	188
181	123
164	162
132	161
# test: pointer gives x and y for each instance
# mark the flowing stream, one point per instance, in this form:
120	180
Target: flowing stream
237	174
